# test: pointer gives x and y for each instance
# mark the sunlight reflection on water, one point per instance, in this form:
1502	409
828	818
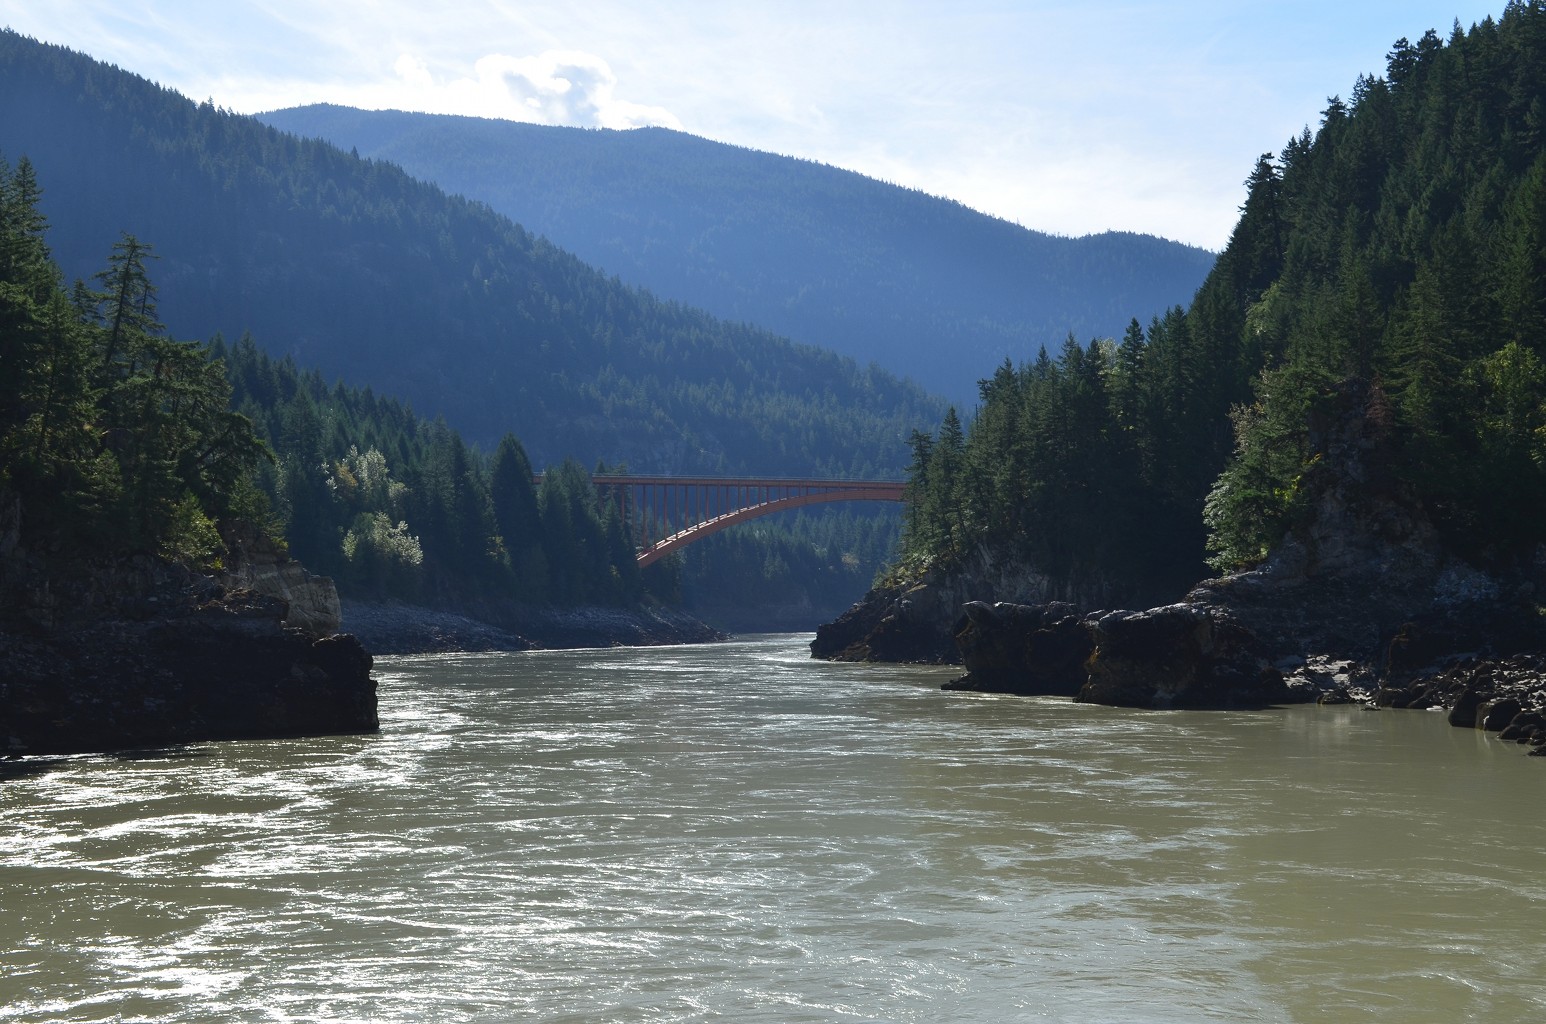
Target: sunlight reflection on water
736	832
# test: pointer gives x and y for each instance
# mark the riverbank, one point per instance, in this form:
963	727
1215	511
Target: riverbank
1192	655
387	627
1364	600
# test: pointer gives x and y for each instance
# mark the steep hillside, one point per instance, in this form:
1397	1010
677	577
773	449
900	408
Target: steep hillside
358	270
923	286
1351	415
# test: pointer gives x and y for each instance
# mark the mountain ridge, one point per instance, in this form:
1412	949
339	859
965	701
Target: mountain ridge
357	269
923	285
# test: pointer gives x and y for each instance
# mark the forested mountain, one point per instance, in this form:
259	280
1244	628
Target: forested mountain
1394	259
359	271
923	286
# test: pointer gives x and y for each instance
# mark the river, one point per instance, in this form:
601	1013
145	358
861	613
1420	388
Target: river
737	833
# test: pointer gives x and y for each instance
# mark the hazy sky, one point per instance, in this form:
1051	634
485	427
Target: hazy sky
1065	117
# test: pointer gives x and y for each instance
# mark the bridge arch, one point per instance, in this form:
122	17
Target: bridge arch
697	531
668	513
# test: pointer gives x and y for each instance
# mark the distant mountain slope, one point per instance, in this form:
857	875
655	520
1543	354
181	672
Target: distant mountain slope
924	286
360	271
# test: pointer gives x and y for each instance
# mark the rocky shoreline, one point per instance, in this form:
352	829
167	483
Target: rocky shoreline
1192	656
1386	632
1363	602
1478	655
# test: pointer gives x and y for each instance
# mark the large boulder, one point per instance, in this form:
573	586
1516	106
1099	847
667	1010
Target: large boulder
1179	656
1031	650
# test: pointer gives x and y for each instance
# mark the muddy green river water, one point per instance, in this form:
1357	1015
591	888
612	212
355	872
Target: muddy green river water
737	833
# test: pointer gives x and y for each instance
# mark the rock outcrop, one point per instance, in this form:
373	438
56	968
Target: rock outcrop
1178	656
255	562
1365	577
142	653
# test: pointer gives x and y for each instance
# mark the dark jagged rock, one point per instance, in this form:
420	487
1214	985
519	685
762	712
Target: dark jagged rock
1031	650
1179	656
1503	695
1318	679
1525	727
120	685
143	653
892	623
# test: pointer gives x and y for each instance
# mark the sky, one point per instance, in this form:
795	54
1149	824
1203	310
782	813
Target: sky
1072	118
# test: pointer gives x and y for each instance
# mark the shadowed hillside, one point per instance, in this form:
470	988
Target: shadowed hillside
924	286
360	271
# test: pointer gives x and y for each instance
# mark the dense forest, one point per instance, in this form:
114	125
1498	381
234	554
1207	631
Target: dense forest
923	286
354	268
394	505
1398	253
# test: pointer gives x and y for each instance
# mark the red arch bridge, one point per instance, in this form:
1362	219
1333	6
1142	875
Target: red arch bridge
667	513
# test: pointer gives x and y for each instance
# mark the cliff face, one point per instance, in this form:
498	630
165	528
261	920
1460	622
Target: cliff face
141	653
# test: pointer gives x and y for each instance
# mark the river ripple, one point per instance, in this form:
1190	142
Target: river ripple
738	833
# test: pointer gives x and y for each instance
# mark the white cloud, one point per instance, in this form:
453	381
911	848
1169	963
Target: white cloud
559	87
413	72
